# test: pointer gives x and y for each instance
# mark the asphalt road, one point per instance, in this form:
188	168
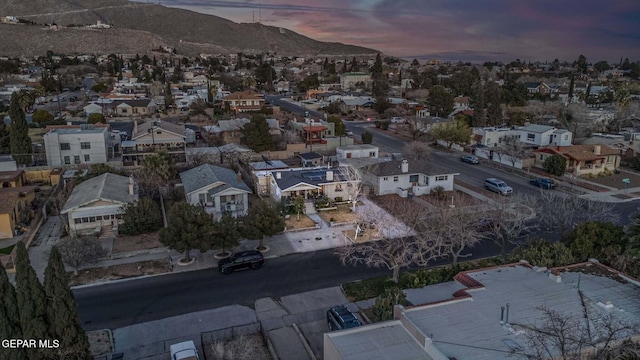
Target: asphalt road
130	302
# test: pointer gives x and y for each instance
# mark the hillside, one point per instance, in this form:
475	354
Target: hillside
138	27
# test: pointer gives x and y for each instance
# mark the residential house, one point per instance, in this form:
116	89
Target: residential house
93	108
582	159
216	188
243	101
79	144
351	80
537	88
96	206
336	184
228	153
311	159
312	131
356	151
133	107
261	173
532	135
151	137
230	131
357	103
10	175
493	313
403	177
16	208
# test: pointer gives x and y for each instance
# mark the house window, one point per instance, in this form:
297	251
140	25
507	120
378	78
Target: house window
395	179
65	146
372	153
67	160
426	180
531	137
442	178
76	159
385	179
413	178
338	187
87	158
202	198
566	137
85	145
124	111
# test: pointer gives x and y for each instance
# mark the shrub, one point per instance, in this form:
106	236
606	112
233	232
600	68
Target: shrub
367	137
555	165
383	307
384	125
141	217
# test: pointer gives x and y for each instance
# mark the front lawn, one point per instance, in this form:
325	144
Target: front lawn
292	223
342	214
127	243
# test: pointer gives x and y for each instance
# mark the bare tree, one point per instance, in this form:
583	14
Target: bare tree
417	150
354	185
77	252
591	334
457	230
562	212
394	249
515	150
506	220
416	128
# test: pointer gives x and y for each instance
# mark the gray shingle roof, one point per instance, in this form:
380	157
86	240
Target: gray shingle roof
390	168
109	187
313	177
208	174
535	128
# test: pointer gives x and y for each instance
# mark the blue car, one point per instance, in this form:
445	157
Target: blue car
544	183
470	159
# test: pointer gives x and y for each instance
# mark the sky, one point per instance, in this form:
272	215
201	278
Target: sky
456	30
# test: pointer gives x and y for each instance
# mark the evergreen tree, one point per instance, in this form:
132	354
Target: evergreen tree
479	116
62	315
32	301
225	232
345	66
354	65
262	220
5	139
493	97
9	318
571	86
189	227
20	142
376	69
256	134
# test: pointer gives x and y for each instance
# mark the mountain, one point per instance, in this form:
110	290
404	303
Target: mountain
140	27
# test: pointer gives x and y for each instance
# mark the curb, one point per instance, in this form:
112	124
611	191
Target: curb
304	341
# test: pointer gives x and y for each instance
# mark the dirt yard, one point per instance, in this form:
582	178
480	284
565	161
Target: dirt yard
250	346
364	236
293	223
99	342
397	206
122	271
342	215
127	243
615	180
460	199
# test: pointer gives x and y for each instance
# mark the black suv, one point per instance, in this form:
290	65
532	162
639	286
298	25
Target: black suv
339	317
243	260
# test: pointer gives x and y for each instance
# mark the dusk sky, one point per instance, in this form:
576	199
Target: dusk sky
474	30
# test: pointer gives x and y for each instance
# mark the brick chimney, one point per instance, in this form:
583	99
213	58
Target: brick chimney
239	176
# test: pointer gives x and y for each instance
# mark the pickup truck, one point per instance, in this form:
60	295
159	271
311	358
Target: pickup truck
184	351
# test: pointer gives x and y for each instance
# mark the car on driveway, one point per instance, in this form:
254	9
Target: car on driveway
251	259
184	351
470	159
339	317
543	183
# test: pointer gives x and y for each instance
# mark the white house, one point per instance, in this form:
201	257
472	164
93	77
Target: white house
218	189
348	80
356	151
96	205
337	184
86	144
532	135
401	177
93	108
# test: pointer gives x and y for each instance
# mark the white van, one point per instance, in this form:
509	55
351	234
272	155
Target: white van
498	186
184	351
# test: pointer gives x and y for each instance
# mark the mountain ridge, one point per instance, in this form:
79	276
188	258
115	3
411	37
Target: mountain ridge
189	32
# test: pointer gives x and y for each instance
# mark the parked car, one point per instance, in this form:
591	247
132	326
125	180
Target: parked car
498	186
544	183
251	259
398	120
184	351
349	133
470	159
339	317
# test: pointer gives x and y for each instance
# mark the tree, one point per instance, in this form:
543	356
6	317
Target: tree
339	127
493	98
5	139
80	251
479	118
96	118
42	116
367	137
334	108
593	239
515	149
298	205
9	318
157	170
440	101
507	222
354	65
555	164
168	96
19	130
382	103
417	150
140	217
189	227
456	229
262	220
452	132
62	315
32	301
581	64
541	252
225	233
548	205
385	302
256	135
